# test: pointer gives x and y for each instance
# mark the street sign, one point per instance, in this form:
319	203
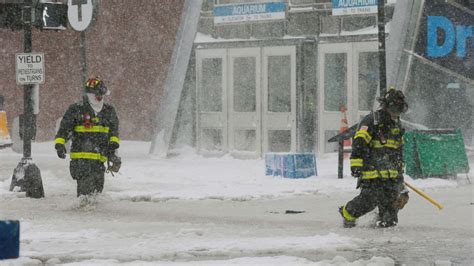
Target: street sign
79	14
239	13
353	7
53	16
29	68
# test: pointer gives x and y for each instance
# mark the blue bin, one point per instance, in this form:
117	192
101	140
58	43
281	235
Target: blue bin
290	165
272	162
9	239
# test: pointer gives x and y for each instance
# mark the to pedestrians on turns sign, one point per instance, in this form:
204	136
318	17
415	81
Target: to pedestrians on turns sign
29	68
354	7
79	13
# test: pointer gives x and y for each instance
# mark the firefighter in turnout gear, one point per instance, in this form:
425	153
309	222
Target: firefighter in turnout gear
92	126
377	162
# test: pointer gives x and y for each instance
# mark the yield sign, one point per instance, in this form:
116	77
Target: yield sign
29	68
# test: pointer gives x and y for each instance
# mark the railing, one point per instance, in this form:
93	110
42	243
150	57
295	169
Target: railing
349	133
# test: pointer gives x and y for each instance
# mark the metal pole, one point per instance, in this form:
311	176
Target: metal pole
27	176
382	59
27	95
340	159
82	46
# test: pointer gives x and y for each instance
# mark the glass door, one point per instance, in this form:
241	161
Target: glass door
211	75
279	99
244	102
348	78
365	79
335	64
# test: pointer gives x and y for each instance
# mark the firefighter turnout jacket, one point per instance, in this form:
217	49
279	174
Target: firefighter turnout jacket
377	148
91	134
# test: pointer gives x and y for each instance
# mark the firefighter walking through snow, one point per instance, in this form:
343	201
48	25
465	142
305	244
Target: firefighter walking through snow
377	162
92	126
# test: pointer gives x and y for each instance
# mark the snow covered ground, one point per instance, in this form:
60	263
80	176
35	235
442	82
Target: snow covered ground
195	210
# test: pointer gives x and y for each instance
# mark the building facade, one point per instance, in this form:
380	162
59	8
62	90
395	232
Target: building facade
277	82
128	44
263	75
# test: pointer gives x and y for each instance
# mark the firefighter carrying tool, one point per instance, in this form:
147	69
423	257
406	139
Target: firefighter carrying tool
377	163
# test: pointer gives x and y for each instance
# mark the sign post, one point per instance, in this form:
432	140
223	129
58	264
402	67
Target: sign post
382	58
80	16
27	176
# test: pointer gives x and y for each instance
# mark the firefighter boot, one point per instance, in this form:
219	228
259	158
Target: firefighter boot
345	222
387	219
385	224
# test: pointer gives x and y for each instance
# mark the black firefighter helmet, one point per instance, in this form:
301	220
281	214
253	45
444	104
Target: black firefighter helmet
394	101
96	86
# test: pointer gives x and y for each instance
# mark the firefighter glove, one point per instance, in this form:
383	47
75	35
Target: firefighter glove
113	146
356	171
401	201
60	150
114	163
111	149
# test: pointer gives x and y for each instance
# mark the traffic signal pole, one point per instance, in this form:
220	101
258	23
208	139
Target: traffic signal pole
28	88
27	176
381	39
83	57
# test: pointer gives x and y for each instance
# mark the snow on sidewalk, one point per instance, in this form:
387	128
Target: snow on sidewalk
190	176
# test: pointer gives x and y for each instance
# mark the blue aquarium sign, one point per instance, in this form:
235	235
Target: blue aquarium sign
353	7
249	12
446	37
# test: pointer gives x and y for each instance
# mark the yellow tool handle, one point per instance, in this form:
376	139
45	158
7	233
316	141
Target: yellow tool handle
421	193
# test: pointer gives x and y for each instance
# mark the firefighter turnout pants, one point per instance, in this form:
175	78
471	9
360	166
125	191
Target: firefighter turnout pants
380	193
89	175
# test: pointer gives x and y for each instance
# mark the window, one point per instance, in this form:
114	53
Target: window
210	97
279	140
368	79
244	84
279	84
245	140
211	139
335	81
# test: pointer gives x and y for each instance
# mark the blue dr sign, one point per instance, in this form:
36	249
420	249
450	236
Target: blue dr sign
446	37
457	37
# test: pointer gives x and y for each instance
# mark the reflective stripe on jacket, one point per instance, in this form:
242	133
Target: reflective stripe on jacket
377	147
90	133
